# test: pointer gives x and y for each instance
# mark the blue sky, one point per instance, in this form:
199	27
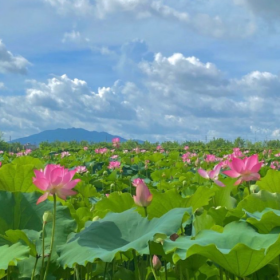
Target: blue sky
147	69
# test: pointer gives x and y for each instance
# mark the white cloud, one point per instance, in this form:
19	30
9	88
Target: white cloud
2	86
200	22
11	63
178	98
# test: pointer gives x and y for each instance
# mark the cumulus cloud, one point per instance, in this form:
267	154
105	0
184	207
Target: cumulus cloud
2	86
178	98
11	63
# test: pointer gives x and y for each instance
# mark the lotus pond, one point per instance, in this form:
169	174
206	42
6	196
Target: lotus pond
140	215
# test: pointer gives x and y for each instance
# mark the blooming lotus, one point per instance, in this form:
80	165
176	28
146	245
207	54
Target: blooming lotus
212	175
246	169
81	169
114	164
55	179
116	142
143	196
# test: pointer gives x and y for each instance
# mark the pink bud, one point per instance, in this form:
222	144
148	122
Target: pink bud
156	262
143	196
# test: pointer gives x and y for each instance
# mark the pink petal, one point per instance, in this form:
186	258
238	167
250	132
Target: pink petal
71	184
219	183
203	173
238	182
232	173
42	198
68	176
41	183
256	167
39	174
63	193
56	175
251	161
48	169
237	165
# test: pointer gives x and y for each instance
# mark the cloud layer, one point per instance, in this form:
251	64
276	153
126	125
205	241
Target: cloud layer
179	97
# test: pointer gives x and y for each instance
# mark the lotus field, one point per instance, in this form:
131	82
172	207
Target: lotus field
139	215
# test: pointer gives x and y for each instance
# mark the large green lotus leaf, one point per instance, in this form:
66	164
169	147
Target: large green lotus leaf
264	221
270	182
164	202
200	198
117	232
18	211
38	164
257	202
201	222
17	178
10	255
222	194
116	202
239	249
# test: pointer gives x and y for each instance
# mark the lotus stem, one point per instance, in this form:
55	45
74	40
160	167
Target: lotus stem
34	268
52	239
165	268
146	211
43	250
221	274
279	266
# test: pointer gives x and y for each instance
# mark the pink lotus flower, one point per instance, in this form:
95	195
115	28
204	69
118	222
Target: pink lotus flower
116	142
55	179
114	156
114	164
212	175
65	154
85	148
0	163
81	169
1	152
246	169
143	196
186	147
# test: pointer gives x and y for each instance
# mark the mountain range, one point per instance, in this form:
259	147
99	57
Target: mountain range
69	134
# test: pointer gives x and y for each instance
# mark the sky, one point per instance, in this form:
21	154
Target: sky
156	70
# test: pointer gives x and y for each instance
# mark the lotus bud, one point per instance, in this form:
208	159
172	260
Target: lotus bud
156	262
105	173
47	217
96	218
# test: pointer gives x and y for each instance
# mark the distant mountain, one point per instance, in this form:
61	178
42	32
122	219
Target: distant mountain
69	134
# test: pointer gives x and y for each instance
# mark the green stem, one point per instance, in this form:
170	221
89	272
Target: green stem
43	250
181	272
248	186
105	271
136	268
146	211
165	268
34	268
221	274
279	266
52	240
8	273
